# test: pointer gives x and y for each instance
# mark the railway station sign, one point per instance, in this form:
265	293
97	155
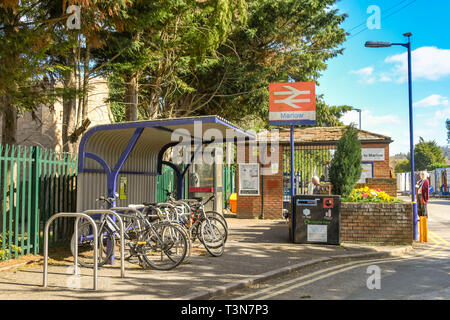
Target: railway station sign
292	103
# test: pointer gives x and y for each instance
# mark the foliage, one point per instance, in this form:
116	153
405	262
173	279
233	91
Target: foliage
5	253
167	58
158	42
402	166
283	40
268	41
345	167
427	153
366	194
427	156
435	166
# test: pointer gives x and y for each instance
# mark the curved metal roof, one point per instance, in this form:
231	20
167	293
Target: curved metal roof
109	142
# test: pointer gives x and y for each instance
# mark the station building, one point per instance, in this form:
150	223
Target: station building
263	188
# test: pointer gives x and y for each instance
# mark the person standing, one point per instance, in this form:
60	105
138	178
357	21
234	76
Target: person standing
422	187
316	185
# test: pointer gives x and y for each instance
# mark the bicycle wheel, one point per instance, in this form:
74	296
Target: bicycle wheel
217	215
132	228
212	238
183	229
163	247
106	244
223	229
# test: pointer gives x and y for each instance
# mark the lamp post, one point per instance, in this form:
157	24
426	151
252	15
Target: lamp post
359	111
382	44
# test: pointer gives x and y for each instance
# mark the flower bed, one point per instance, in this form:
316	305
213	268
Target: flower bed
366	194
371	215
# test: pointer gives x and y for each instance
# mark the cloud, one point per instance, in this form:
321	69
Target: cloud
365	74
432	101
429	63
371	122
437	120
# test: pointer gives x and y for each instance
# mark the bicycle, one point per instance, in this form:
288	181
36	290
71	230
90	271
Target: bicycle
160	245
210	230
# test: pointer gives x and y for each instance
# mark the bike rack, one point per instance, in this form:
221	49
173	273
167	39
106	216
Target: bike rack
78	216
122	238
127	209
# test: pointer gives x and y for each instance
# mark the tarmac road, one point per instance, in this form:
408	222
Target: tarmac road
422	275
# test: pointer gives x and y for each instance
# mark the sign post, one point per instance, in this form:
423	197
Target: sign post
290	104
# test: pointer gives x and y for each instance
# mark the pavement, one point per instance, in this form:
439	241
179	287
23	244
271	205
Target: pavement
256	250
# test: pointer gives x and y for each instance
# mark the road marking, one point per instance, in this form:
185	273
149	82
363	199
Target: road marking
438	236
352	265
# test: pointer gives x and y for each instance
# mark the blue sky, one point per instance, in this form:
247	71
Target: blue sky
374	79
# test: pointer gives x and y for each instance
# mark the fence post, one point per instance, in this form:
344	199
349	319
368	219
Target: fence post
35	220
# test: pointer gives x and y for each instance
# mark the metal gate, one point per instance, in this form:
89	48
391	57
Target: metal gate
312	159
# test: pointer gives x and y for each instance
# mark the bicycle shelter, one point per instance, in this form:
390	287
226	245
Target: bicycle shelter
133	152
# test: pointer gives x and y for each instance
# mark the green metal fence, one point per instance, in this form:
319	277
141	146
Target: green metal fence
165	181
229	183
34	184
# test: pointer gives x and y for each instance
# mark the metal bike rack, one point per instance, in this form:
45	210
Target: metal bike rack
78	216
122	238
127	209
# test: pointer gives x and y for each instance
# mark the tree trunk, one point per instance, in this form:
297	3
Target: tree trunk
87	58
69	104
131	99
9	122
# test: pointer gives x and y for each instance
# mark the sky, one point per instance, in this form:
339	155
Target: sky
375	79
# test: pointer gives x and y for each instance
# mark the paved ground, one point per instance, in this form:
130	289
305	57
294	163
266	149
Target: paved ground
254	247
422	274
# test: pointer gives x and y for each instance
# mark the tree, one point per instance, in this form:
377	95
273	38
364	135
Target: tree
25	41
280	40
70	57
426	153
402	166
158	42
427	156
345	167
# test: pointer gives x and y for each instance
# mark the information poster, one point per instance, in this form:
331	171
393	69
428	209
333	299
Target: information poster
317	233
123	188
367	172
249	179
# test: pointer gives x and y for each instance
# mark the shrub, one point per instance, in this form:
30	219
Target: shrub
345	167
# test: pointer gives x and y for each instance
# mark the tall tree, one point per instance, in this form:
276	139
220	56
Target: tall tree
426	154
282	40
160	39
23	64
71	57
345	167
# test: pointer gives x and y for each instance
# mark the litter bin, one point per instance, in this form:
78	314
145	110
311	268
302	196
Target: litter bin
317	219
233	202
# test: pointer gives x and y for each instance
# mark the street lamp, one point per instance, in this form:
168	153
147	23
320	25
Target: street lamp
359	111
382	44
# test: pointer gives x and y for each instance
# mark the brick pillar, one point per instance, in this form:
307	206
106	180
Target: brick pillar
271	192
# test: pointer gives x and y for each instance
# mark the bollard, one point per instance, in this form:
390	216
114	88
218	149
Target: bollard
423	229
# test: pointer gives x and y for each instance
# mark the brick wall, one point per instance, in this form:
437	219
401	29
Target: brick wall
387	185
381	169
377	222
271	187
